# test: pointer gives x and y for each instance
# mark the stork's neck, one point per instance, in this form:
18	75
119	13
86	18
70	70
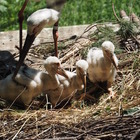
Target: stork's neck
107	61
77	82
50	82
57	5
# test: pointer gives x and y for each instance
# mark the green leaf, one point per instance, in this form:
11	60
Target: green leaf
131	111
3	8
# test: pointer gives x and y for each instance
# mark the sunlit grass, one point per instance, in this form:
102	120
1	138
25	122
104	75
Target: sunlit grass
75	12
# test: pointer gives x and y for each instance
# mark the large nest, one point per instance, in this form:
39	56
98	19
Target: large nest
102	119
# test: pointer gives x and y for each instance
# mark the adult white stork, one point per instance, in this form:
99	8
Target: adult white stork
35	82
35	23
69	86
102	64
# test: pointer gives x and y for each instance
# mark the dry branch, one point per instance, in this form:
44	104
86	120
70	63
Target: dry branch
115	13
74	49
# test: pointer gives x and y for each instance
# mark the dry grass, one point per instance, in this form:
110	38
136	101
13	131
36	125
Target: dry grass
100	120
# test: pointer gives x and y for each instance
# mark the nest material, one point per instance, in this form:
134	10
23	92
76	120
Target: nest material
100	121
43	124
87	122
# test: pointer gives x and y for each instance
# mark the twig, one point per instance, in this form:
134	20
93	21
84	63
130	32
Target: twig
79	136
21	127
136	39
63	138
115	13
124	63
42	132
111	135
17	98
68	97
24	114
88	28
136	135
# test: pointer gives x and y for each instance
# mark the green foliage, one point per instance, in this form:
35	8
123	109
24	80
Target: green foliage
131	111
74	12
89	11
9	18
126	29
3	4
102	34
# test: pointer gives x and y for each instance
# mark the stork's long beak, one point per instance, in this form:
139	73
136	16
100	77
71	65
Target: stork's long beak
111	57
84	82
62	72
113	62
28	42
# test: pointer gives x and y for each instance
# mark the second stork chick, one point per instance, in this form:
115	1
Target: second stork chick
103	64
76	81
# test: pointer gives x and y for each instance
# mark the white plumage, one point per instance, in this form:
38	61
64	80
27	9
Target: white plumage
35	23
76	81
35	81
102	64
41	18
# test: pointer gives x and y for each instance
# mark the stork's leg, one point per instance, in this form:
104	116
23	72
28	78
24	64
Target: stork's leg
20	20
87	96
110	91
28	42
55	37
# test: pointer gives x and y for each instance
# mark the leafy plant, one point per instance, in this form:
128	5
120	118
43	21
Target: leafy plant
3	6
126	29
102	34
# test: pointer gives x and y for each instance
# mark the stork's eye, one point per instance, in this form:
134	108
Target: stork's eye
56	65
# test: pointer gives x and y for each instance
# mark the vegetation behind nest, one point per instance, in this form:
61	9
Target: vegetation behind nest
104	33
127	29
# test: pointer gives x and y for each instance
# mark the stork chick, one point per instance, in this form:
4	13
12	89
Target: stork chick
76	81
102	64
35	82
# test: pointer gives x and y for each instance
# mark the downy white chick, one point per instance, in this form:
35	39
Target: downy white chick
76	81
102	64
35	82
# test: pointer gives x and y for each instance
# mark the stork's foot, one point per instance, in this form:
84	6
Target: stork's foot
82	97
87	96
84	100
112	93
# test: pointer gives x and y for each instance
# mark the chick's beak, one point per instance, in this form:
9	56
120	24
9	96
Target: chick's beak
62	72
113	62
84	82
110	56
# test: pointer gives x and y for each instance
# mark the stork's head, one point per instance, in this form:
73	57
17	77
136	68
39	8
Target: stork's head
55	4
81	70
53	65
108	51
